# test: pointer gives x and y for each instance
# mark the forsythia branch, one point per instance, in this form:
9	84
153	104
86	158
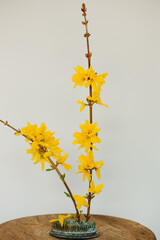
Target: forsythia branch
88	55
53	166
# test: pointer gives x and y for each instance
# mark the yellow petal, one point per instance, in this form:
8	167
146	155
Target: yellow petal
98	173
42	163
82	108
89	177
54	220
85	204
69	215
92	184
18	133
61	220
79	205
67	166
105	105
80	102
84	176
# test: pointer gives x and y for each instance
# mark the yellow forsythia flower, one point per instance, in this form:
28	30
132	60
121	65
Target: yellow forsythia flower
88	78
94	189
82	105
87	164
38	155
81	201
88	136
42	142
80	77
61	160
96	98
61	219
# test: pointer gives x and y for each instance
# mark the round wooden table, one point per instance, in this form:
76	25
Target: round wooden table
109	228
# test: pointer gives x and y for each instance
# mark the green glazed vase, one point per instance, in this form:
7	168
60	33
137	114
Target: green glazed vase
74	230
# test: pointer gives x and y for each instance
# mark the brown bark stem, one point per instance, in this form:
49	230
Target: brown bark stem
88	55
53	165
67	187
6	124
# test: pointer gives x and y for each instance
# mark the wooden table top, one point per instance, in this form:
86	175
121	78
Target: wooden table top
109	228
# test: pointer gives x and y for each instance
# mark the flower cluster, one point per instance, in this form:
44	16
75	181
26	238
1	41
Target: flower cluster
88	78
43	145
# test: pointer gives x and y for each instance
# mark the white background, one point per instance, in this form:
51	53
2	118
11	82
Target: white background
40	44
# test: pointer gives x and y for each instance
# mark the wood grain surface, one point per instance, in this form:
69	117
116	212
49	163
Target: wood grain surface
109	228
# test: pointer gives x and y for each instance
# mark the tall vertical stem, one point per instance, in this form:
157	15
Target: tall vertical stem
88	55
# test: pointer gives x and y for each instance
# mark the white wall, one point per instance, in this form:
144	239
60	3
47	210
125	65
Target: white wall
40	44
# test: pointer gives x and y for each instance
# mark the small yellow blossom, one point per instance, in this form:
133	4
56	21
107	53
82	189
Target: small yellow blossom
85	172
61	219
80	77
61	160
81	201
96	98
82	105
88	78
94	189
88	136
87	164
38	155
94	80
